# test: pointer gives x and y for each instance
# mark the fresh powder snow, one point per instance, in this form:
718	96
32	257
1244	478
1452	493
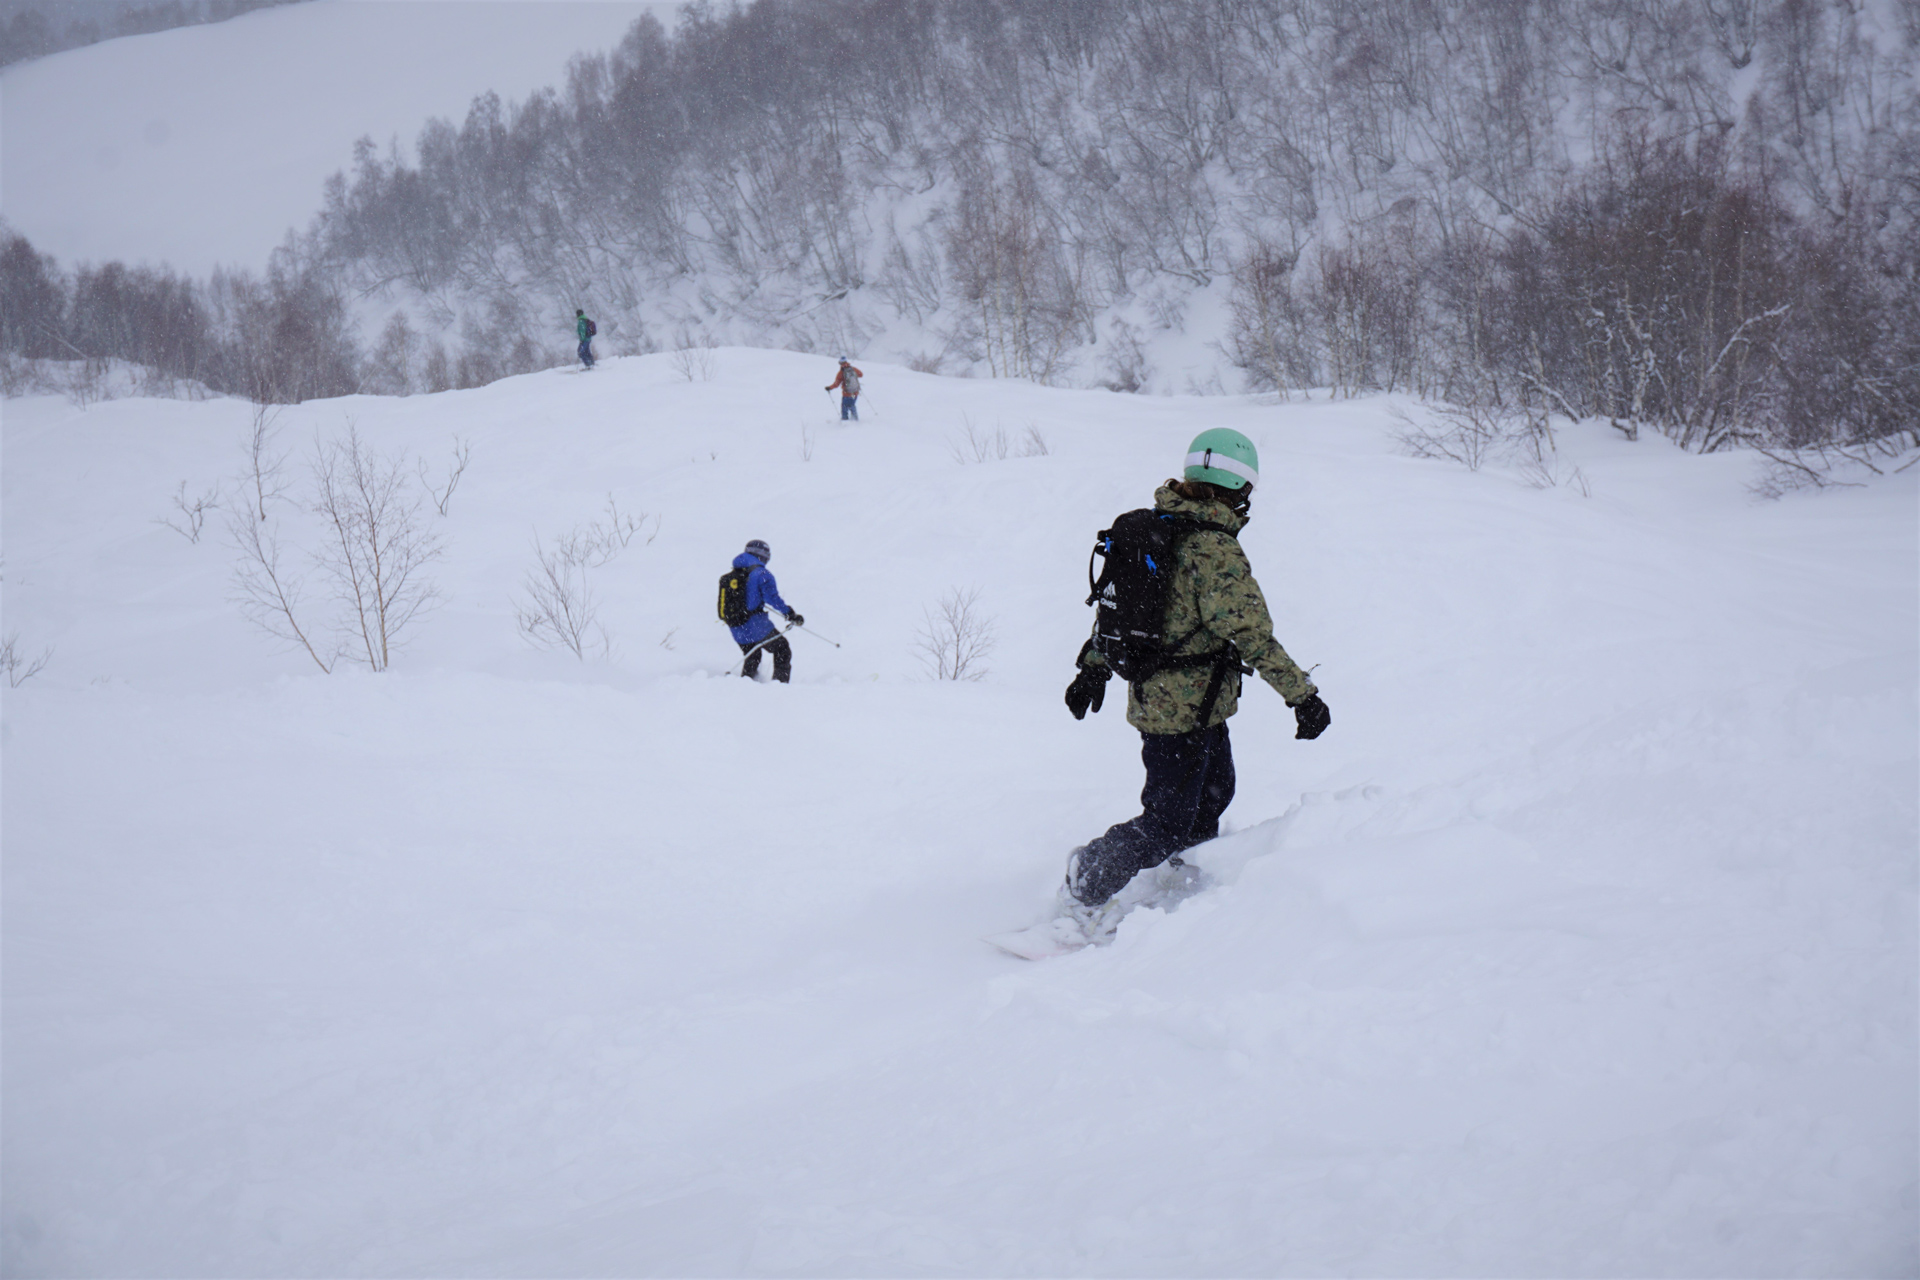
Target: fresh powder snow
1583	943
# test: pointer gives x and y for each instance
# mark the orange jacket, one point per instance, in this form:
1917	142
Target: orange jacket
841	376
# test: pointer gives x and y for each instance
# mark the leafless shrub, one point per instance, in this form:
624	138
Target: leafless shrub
1541	467
693	357
806	443
18	667
617	531
1126	360
268	593
377	548
955	640
979	446
89	381
442	492
927	363
560	610
190	517
369	544
265	474
1467	434
1825	467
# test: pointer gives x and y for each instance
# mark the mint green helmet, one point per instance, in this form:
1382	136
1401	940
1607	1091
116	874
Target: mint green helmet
1224	457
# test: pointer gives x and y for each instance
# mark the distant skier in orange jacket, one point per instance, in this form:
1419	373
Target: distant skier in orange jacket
848	380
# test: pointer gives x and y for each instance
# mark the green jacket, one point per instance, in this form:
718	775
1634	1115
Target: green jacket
580	327
1213	595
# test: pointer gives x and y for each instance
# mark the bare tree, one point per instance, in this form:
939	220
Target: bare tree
190	517
18	667
693	358
1467	434
377	547
955	640
266	465
560	610
267	593
979	446
442	491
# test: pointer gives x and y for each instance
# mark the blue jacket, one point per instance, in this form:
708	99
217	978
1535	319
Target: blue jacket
762	591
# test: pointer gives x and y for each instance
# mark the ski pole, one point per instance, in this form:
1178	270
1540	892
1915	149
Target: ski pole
763	644
815	634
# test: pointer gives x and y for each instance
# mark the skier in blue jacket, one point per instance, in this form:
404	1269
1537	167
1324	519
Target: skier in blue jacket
763	593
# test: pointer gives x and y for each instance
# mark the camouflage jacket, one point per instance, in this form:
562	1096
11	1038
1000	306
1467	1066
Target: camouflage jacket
1213	596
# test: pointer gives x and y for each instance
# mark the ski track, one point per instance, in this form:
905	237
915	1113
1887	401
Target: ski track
1582	944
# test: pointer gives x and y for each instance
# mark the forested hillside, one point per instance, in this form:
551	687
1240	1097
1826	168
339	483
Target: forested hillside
1701	216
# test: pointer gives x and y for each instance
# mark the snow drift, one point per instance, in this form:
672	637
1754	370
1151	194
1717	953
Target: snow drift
1583	943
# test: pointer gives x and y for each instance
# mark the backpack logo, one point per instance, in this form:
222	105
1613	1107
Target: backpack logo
733	597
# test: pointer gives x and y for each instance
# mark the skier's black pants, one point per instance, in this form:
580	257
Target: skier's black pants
782	659
1189	785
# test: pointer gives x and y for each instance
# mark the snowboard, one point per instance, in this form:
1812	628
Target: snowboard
1057	937
1164	887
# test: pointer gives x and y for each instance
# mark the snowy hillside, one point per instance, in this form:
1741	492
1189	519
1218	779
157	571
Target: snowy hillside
203	146
1582	944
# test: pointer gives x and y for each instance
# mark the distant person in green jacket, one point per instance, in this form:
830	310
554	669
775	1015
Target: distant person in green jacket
585	329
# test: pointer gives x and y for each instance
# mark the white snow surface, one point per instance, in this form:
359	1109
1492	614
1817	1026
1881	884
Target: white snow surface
1583	944
203	146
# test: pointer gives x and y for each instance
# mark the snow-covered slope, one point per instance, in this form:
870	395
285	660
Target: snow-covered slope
1583	943
203	146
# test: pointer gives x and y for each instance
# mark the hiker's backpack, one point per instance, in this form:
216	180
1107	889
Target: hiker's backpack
1131	593
850	381
733	596
592	328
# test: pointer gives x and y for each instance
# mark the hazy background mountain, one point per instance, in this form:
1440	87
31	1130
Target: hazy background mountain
1701	216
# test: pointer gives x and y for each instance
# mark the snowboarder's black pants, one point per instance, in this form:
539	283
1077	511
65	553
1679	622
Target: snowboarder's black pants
1189	785
782	659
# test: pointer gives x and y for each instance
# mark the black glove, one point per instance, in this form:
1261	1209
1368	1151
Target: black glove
1312	716
1088	691
796	619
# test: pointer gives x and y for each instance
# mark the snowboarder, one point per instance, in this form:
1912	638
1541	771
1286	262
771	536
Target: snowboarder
848	380
585	328
754	633
1215	621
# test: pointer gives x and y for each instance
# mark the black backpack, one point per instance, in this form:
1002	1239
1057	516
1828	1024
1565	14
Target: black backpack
592	328
1131	594
733	596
